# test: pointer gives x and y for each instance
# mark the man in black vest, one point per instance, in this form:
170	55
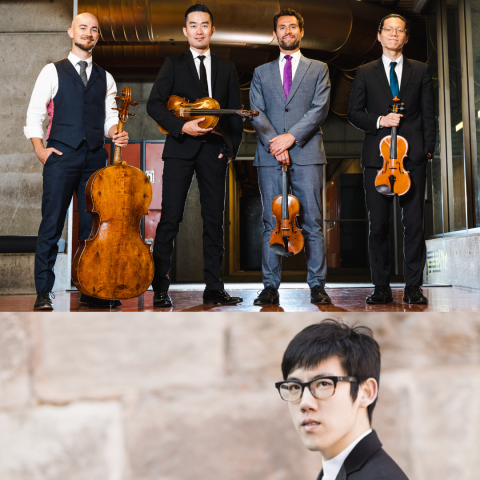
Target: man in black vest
79	97
331	374
192	75
374	87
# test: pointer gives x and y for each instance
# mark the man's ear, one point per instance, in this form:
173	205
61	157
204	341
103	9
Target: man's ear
368	392
70	33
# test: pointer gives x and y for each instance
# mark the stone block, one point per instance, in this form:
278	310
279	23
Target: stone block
36	16
98	356
82	441
15	360
211	433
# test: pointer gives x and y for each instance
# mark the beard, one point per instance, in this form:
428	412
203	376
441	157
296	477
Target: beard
86	48
293	45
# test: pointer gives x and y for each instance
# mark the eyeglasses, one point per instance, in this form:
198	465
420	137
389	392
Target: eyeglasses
321	387
390	30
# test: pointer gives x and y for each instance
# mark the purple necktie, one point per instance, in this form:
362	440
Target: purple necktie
287	75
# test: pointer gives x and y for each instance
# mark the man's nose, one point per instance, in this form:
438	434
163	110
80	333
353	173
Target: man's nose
308	401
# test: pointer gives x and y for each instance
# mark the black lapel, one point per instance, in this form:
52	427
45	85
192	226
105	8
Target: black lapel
213	73
362	452
406	73
302	68
94	75
277	80
72	71
193	68
382	78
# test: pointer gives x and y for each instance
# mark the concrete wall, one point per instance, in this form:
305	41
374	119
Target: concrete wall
192	396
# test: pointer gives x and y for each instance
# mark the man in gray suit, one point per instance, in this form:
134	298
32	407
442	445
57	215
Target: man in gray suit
292	96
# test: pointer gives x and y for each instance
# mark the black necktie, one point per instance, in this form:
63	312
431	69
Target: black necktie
203	75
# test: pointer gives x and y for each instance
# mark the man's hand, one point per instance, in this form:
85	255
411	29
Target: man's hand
283	157
281	143
192	128
119	139
391	120
221	156
42	152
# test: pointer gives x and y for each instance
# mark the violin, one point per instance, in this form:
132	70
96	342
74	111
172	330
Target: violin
114	263
393	179
287	239
204	107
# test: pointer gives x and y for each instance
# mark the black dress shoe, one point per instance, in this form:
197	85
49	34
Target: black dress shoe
268	296
93	302
318	295
414	295
381	295
44	301
219	297
161	299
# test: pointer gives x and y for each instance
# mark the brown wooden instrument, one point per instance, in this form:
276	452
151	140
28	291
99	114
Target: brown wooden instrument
114	263
204	107
393	179
287	238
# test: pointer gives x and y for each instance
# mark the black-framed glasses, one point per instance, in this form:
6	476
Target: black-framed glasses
321	387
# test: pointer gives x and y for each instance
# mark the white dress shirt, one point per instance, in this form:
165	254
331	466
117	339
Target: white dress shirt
332	467
207	61
46	87
295	60
398	70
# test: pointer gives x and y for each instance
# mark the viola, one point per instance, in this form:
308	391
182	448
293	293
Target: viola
287	239
204	107
392	179
114	263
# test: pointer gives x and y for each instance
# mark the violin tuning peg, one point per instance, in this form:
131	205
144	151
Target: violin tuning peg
134	104
114	108
132	114
117	98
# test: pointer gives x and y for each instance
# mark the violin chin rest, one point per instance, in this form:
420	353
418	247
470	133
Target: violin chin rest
385	190
279	249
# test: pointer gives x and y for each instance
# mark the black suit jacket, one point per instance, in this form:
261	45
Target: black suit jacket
370	98
178	76
369	461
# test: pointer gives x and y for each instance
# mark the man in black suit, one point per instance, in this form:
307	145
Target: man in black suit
331	373
374	87
189	148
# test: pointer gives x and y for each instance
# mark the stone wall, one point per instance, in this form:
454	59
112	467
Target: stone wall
176	397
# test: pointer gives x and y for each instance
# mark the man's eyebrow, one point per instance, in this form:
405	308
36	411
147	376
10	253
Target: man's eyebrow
194	23
295	379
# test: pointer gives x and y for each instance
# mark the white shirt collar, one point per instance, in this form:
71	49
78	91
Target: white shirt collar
195	54
387	61
332	467
74	59
295	56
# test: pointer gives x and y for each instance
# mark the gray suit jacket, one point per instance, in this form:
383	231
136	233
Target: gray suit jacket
369	461
301	114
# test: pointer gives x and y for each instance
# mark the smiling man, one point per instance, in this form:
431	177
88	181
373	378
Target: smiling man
190	149
78	96
331	375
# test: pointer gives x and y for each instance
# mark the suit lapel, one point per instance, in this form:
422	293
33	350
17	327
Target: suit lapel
214	64
277	80
94	75
342	474
303	65
73	72
193	68
361	453
406	73
382	78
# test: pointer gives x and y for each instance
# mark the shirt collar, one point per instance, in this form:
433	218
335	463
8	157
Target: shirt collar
195	54
295	56
387	61
74	59
332	467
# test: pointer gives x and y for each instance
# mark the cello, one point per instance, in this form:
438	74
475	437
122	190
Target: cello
114	263
392	179
286	239
204	107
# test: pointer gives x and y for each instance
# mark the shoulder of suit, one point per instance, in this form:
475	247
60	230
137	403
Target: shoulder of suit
368	66
380	466
314	62
416	63
222	61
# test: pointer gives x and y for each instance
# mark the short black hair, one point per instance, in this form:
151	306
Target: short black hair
287	12
394	15
199	7
357	350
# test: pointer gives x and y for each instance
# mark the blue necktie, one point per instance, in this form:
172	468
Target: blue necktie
393	80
